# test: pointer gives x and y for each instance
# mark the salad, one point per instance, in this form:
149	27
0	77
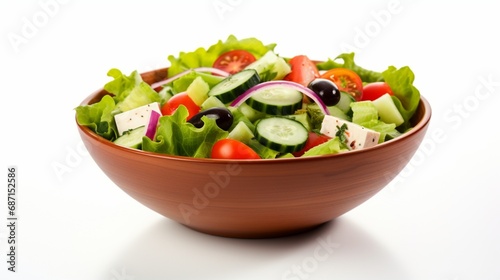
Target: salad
239	99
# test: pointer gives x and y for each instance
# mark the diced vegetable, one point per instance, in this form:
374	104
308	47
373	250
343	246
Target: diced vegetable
355	136
241	132
132	138
134	118
198	91
233	86
270	67
276	101
152	125
387	110
281	134
281	84
268	109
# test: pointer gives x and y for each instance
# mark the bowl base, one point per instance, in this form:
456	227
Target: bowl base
248	234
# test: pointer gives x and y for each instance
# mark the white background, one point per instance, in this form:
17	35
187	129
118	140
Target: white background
438	220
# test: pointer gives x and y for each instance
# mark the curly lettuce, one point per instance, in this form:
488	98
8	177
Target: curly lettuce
202	57
406	95
130	91
127	92
99	117
367	76
176	136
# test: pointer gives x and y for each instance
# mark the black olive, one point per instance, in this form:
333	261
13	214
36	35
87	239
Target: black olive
223	118
326	90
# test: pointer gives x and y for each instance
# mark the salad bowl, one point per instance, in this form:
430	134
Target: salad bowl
253	198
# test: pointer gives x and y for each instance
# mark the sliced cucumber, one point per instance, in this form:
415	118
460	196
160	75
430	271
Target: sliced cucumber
276	101
281	134
345	102
387	110
232	86
132	138
241	132
198	90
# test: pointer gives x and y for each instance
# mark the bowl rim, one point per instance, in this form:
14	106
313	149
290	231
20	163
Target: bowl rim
425	119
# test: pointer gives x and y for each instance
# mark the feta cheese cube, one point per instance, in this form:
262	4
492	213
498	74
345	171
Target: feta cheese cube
357	136
135	118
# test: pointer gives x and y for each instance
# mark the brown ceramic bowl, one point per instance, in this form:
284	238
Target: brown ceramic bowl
253	198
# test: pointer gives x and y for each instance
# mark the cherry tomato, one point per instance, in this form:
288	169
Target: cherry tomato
234	61
180	99
346	80
232	149
303	70
313	140
373	91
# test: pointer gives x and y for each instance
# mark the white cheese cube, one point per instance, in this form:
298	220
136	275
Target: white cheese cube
136	117
357	136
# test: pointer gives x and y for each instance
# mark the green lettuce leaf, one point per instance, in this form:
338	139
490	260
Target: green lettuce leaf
202	57
98	117
367	76
263	151
175	136
141	94
121	85
406	95
332	146
130	91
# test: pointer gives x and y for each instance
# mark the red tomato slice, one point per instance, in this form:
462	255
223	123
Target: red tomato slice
232	149
234	61
346	80
313	140
180	99
303	70
372	91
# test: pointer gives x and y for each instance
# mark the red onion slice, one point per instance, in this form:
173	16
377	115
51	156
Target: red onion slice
153	124
281	83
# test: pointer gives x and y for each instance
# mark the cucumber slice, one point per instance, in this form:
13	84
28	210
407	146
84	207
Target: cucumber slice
345	102
276	101
132	138
198	90
281	134
234	85
387	110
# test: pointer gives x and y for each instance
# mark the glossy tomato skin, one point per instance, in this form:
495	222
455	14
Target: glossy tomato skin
372	91
346	80
232	149
313	140
180	99
234	61
303	71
